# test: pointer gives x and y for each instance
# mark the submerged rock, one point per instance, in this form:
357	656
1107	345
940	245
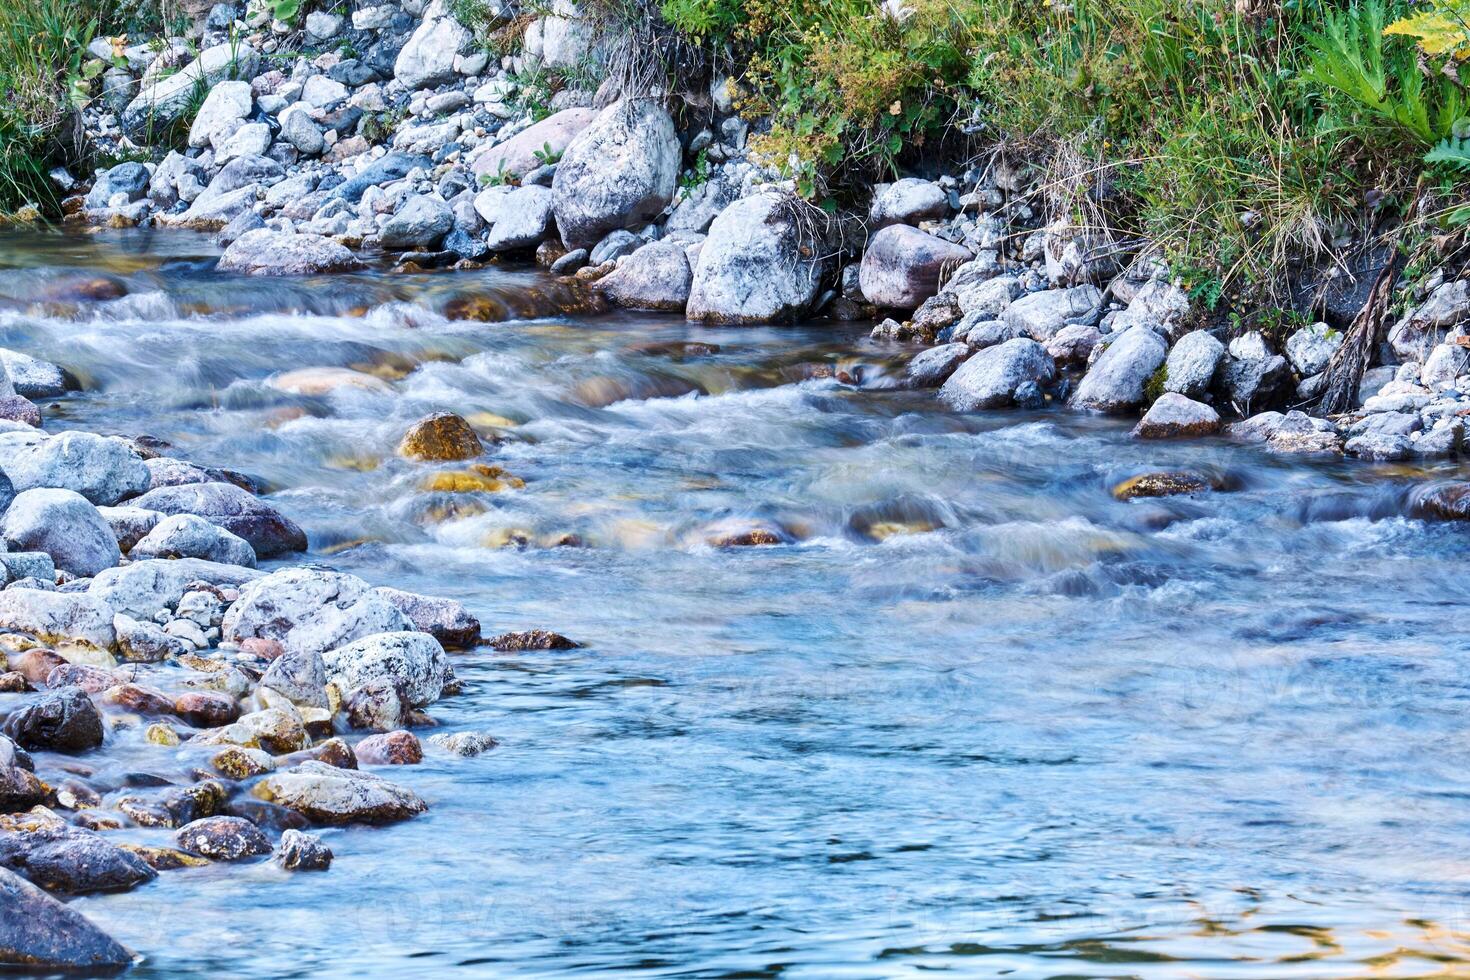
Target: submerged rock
441	437
390	749
38	933
67	859
223	839
300	851
328	795
1161	485
531	640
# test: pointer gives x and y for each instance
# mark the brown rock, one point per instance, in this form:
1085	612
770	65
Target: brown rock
390	749
1161	485
205	710
442	436
1445	502
531	640
135	697
36	665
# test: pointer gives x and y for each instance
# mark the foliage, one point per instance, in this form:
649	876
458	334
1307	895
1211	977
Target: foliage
1442	28
42	53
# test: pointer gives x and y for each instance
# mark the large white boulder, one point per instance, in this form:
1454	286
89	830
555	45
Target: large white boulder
619	172
756	266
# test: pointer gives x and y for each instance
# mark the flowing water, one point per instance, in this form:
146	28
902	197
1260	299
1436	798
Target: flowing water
975	715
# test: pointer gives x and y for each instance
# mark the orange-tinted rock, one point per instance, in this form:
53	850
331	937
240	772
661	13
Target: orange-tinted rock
204	710
441	437
390	749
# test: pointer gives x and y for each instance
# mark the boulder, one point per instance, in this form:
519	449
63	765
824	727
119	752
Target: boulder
517	155
428	57
300	851
187	536
393	166
656	277
904	266
103	469
446	620
144	587
619	172
1413	337
75	624
993	377
1254	382
38	933
328	795
422	222
414	663
19	787
1116	380
1072	345
757	265
266	252
34	378
390	749
300	676
1040	315
929	368
1191	365
519	217
306	609
1384	436
1174	416
907	201
164	102
1310	349
222	113
64	525
223	839
63	720
267	530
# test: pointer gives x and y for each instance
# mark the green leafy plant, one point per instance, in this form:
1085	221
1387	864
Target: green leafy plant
501	177
546	156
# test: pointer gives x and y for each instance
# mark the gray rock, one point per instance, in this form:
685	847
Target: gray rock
160	104
446	620
422	222
979	331
102	469
298	129
64	525
328	795
393	166
188	536
1383	437
72	623
145	643
267	530
519	217
931	367
701	207
1311	348
142	588
300	851
222	114
19	787
656	277
1254	383
619	172
34	378
414	663
300	676
1192	363
1076	255
223	839
375	706
310	610
466	744
38	933
266	252
1173	416
1040	315
71	860
428	56
907	201
61	720
1413	337
993	377
1157	304
903	266
515	156
1073	344
1116	380
756	266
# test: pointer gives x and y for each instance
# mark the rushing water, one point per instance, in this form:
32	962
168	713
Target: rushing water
977	716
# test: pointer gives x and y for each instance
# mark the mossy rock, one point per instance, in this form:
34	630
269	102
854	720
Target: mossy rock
441	437
1161	485
476	478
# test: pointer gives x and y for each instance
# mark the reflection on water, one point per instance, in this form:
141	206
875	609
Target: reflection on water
974	715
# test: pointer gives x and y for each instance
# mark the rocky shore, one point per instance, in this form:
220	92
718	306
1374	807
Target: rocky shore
133	619
391	131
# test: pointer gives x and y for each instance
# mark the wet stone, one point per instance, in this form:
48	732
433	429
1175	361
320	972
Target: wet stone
299	851
390	749
442	437
537	639
1161	485
223	839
